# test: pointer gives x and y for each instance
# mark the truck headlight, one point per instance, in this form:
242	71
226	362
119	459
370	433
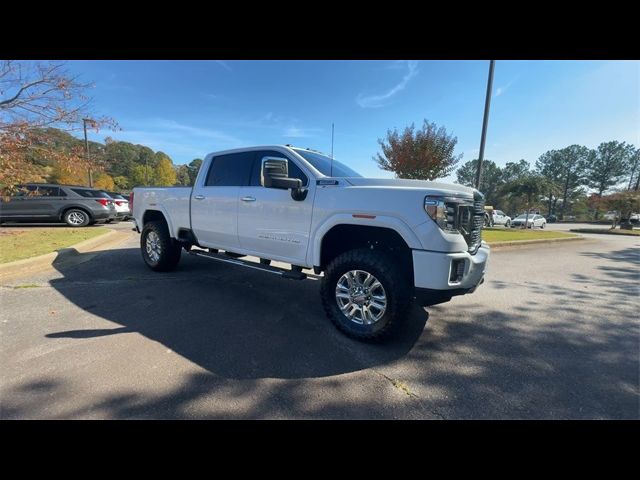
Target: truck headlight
441	212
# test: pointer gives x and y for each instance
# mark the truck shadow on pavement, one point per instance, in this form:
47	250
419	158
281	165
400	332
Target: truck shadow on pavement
233	322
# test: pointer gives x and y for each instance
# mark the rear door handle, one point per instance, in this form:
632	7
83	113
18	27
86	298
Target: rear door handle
199	197
248	199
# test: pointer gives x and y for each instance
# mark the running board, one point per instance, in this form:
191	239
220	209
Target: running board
220	257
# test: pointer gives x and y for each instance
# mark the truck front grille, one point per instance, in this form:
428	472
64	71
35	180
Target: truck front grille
469	221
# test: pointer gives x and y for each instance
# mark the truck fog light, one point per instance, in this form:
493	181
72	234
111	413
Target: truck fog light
457	271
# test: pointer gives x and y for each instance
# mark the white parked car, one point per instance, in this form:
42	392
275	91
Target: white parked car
500	218
610	215
379	242
122	206
532	221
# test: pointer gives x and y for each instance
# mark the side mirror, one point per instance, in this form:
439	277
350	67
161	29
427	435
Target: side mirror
275	174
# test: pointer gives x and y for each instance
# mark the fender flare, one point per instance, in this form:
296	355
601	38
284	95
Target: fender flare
384	221
167	218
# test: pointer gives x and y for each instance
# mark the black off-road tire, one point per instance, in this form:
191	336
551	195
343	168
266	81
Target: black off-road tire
72	215
390	274
170	250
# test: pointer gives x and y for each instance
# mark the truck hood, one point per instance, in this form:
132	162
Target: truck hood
399	183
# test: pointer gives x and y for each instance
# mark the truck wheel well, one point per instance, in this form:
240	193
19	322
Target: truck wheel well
343	238
151	216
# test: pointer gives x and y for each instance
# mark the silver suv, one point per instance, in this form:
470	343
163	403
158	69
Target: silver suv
77	206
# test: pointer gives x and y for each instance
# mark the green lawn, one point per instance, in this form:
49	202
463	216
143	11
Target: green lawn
491	235
18	243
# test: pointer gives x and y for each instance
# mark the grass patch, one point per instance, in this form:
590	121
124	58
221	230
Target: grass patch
492	235
18	244
607	231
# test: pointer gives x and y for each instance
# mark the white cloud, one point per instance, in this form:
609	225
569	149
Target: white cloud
297	132
380	100
224	65
500	90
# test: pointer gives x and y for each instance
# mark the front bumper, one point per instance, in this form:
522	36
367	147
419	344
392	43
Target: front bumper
449	271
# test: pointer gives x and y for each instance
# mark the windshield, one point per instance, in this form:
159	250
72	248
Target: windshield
322	163
525	216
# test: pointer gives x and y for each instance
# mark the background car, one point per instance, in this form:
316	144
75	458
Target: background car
533	220
75	205
122	205
500	218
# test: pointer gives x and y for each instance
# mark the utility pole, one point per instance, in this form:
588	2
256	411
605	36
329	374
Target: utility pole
331	168
86	147
485	121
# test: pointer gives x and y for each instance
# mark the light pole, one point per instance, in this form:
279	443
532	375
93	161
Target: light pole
485	121
86	147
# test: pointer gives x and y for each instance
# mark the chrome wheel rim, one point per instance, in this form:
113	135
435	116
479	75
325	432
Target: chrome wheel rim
152	246
361	297
76	218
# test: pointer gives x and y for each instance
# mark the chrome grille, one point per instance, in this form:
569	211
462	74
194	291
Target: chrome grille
469	221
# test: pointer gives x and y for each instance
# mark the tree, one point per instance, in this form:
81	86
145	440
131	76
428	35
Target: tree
182	175
140	175
634	166
194	167
566	168
490	180
529	188
514	170
625	203
34	95
165	174
610	162
104	182
425	154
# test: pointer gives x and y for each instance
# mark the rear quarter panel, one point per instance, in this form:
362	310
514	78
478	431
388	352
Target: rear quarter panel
173	202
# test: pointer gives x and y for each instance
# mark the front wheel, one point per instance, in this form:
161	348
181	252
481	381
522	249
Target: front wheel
159	251
542	226
366	294
508	224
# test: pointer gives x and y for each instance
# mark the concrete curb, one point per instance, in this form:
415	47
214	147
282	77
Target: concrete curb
603	232
29	265
514	243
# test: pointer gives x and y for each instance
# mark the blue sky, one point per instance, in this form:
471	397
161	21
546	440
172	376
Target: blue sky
190	108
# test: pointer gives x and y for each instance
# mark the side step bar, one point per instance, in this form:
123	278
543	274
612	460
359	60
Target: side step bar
220	257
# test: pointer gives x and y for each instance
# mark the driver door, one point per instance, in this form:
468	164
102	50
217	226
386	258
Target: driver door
270	222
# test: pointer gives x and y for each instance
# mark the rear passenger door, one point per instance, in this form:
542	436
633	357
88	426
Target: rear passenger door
214	200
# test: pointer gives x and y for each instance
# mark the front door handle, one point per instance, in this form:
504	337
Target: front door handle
248	199
199	197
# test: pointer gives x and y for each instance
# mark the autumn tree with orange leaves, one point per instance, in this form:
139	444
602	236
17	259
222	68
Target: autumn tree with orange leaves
33	96
423	154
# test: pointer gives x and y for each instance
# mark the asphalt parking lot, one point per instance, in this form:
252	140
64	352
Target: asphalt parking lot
553	333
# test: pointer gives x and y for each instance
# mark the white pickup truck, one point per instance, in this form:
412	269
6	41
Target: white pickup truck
380	242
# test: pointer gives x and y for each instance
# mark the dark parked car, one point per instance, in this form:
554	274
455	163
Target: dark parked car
77	206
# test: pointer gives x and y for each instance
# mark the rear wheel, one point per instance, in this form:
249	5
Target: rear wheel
159	251
365	294
76	218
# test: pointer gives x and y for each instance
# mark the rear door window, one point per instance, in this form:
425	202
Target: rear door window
48	191
232	170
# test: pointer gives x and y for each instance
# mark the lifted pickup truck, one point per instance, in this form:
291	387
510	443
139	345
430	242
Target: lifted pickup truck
380	242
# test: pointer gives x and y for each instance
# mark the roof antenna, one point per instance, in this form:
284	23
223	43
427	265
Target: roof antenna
331	172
